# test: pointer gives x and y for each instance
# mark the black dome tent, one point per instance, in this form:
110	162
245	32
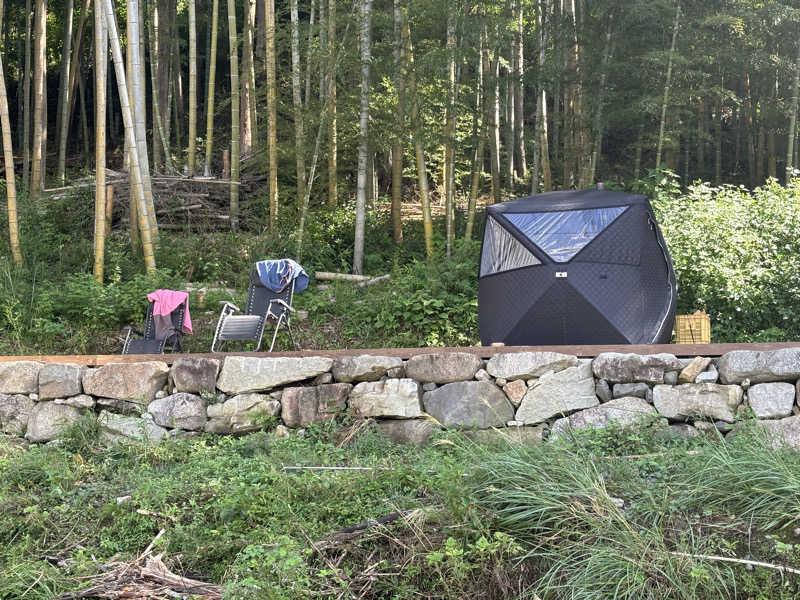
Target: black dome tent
575	267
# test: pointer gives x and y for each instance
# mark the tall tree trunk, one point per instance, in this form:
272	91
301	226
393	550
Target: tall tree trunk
751	132
718	144
365	10
333	182
127	117
701	137
74	71
494	118
246	91
790	137
212	72
190	153
299	129
8	156
159	135
26	106
761	153
84	119
272	118
422	172
598	115
666	87
450	127
547	177
323	51
400	118
234	62
64	95
139	113
100	87
541	97
39	96
509	119
479	136
637	162
519	92
309	54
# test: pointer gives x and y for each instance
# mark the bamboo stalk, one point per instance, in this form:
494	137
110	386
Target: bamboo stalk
234	62
8	157
212	72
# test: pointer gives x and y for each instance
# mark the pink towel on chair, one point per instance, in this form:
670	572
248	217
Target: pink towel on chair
165	301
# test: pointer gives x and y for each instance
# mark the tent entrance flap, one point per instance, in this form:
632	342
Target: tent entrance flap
565	233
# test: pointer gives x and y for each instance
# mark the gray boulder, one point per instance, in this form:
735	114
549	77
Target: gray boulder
241	414
693	369
244	374
698	400
782	432
631	389
118	429
123	407
416	432
558	394
48	421
19	377
194	375
302	406
771	400
137	382
478	404
602	390
619	411
392	398
60	380
363	368
759	367
179	411
15	410
710	375
524	365
615	367
509	435
445	367
670	377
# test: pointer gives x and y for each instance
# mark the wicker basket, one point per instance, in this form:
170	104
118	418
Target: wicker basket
693	329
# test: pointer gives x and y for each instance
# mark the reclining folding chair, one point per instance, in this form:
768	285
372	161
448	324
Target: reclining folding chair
263	305
147	342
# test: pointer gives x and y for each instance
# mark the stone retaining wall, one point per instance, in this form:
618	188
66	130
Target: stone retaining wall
530	395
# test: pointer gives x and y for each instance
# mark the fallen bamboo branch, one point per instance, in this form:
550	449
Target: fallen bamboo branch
374	280
741	561
299	468
326	276
150	513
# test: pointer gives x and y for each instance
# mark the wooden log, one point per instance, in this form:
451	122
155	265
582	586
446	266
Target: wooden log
375	280
325	275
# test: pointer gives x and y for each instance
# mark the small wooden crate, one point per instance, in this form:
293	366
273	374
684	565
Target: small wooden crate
693	329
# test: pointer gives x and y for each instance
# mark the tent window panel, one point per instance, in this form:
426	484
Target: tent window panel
503	252
563	234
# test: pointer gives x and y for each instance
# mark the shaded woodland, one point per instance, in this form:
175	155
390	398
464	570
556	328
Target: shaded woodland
291	106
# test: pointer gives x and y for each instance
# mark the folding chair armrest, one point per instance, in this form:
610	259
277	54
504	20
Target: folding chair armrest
230	305
130	330
282	303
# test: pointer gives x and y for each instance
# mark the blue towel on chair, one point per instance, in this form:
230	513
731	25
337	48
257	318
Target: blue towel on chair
278	274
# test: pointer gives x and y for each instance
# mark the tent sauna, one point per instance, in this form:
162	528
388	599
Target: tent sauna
575	267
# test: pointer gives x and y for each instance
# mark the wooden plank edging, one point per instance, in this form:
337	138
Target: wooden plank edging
586	351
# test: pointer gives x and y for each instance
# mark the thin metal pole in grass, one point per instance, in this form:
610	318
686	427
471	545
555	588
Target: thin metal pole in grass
742	561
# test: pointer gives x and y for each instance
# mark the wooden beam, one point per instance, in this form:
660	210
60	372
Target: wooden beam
680	350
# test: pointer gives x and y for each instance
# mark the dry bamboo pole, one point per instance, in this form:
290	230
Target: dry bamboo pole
333	183
246	91
100	75
127	118
400	117
299	130
8	156
309	53
212	73
666	88
479	133
64	95
251	72
234	61
192	88
74	66
422	173
140	113
272	118
450	129
39	111
793	118
26	99
160	135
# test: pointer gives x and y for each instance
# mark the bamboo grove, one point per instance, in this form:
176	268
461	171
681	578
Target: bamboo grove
385	101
